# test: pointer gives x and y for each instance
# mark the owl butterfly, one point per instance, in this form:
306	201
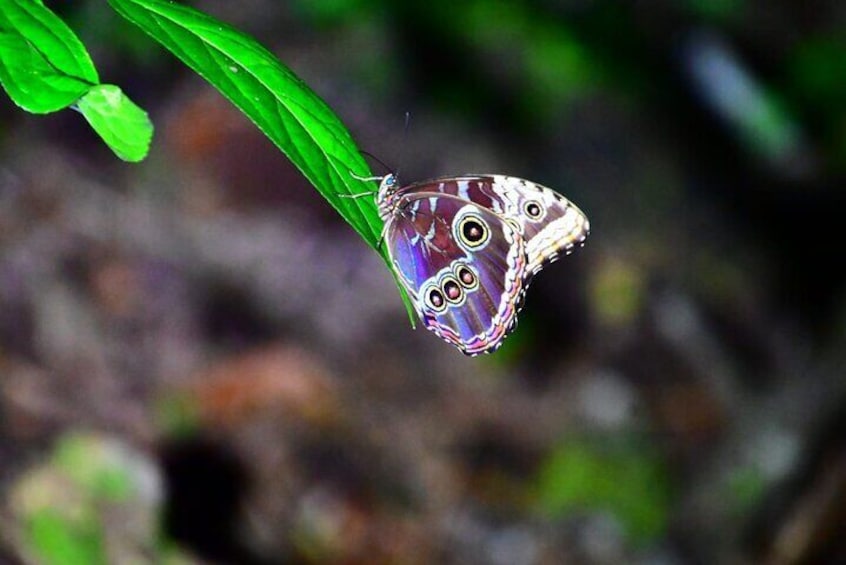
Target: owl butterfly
465	248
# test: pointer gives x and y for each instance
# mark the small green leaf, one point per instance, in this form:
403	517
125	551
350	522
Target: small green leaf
282	106
31	82
123	126
48	34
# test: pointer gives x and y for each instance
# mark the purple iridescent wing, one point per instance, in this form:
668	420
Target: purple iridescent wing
550	224
462	265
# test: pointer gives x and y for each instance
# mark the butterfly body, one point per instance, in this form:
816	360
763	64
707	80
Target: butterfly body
466	248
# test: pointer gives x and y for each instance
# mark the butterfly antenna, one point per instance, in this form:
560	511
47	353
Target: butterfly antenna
377	159
404	139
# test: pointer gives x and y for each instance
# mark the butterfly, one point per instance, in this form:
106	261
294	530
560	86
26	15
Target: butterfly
466	248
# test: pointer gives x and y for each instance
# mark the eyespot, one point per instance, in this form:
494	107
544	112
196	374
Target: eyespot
452	290
435	299
466	277
534	210
472	231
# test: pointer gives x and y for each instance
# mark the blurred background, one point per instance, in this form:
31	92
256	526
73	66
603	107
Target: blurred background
201	363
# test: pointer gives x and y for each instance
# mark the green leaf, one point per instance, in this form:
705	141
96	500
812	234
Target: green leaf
123	126
43	65
279	103
44	68
31	82
50	36
282	106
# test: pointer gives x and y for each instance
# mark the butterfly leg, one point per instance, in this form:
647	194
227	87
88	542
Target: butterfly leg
366	179
357	194
382	237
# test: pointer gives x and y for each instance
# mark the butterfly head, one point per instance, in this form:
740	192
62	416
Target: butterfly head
389	181
385	195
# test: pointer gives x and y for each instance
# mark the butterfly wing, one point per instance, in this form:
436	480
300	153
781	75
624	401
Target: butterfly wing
462	265
550	224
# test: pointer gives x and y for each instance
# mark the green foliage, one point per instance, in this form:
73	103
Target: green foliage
123	126
744	490
622	479
767	127
272	96
818	80
328	13
57	540
618	292
31	81
91	467
817	70
45	68
178	415
717	10
91	502
283	107
550	63
50	35
64	519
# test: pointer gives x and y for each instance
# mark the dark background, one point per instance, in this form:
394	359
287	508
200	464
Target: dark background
200	362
